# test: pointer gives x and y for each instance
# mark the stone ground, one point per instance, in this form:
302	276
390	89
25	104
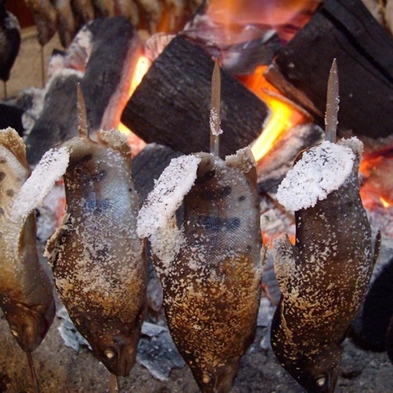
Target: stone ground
60	369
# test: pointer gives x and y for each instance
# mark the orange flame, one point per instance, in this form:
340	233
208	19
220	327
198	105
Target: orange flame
284	115
384	202
142	66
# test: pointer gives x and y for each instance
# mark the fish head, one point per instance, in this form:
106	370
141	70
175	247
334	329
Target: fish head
113	341
218	379
319	373
29	324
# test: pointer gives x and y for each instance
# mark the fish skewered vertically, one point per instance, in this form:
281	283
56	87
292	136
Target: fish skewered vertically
324	277
26	295
211	268
9	43
97	258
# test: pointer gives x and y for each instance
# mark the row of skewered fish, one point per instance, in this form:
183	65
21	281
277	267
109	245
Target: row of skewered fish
210	265
67	16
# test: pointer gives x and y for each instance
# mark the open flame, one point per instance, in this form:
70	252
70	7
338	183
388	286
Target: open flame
142	66
284	114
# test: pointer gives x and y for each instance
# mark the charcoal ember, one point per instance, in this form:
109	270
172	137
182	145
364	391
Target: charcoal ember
148	165
105	84
58	119
11	116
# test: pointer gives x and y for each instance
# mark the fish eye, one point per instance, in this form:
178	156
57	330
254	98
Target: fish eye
109	353
14	332
205	378
321	380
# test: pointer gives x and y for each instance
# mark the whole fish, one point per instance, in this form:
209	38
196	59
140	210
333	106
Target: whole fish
45	18
10	40
83	10
66	23
212	283
104	8
26	295
98	260
127	9
325	276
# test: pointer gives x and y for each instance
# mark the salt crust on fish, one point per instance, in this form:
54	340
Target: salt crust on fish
321	170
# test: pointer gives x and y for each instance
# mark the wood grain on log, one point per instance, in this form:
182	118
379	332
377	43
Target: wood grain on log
171	106
345	30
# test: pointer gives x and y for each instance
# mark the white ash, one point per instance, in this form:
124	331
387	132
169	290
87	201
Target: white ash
51	168
157	352
68	332
321	170
161	203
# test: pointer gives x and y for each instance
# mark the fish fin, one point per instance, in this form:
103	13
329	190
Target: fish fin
165	244
243	160
32	193
11	140
54	243
115	140
284	262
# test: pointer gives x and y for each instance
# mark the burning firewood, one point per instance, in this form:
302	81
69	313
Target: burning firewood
171	104
324	277
105	85
347	31
210	268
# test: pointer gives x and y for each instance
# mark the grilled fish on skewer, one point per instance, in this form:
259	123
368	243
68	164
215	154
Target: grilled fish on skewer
325	276
211	268
66	23
25	290
45	18
98	260
9	43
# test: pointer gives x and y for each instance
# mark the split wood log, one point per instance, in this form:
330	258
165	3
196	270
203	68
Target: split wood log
171	106
105	84
345	30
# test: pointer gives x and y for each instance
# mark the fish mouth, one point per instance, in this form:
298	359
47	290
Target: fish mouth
119	359
221	380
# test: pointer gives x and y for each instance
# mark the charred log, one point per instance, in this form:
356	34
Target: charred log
344	30
171	106
105	85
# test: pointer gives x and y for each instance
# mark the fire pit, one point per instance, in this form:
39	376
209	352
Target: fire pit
168	113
